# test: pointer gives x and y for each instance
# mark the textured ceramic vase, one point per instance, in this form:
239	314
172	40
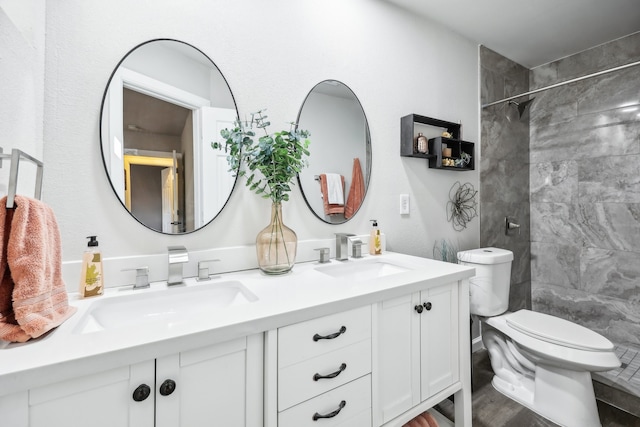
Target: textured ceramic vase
276	245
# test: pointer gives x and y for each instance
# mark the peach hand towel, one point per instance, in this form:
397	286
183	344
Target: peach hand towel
33	297
423	420
356	190
329	208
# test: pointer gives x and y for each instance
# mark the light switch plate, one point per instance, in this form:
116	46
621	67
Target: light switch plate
404	204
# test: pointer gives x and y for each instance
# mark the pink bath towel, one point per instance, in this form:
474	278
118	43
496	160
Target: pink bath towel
33	298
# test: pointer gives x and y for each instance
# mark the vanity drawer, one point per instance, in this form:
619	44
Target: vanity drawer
297	383
297	343
356	396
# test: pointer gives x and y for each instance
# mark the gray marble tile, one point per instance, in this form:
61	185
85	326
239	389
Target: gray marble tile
611	273
491	85
603	57
582	63
555	264
610	179
587	136
543	76
520	296
509	69
610	91
616	319
623	51
556	223
554	182
610	225
503	140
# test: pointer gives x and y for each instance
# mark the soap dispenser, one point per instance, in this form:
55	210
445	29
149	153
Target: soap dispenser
375	241
91	283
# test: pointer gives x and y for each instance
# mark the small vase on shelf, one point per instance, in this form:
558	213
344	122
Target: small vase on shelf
276	245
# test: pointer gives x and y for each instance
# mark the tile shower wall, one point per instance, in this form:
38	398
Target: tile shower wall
585	191
504	169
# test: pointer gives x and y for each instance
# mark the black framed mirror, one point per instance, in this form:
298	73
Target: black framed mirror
164	104
335	183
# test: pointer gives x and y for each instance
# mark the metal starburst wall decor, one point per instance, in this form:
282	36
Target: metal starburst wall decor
462	205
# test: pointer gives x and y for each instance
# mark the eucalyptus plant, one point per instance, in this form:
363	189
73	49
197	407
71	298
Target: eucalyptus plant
278	157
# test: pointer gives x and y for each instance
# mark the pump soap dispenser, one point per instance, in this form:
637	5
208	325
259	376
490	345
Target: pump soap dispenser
91	283
375	242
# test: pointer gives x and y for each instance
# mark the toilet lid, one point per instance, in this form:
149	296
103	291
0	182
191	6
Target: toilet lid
557	331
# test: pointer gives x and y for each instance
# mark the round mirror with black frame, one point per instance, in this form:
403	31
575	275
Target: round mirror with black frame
165	102
335	183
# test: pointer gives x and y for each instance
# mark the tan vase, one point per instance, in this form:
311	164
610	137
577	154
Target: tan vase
276	245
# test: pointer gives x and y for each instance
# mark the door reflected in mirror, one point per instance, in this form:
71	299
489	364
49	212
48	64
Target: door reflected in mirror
335	183
165	103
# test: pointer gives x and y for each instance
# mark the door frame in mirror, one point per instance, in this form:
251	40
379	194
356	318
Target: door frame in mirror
112	129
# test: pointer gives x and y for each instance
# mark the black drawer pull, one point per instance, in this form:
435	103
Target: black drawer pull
418	308
317	416
428	305
317	377
342	330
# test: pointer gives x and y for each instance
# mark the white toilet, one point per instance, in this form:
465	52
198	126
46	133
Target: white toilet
540	361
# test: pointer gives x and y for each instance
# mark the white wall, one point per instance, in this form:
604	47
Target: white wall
272	54
22	55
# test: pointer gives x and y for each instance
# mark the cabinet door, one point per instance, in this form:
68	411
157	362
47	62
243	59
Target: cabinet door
104	399
218	385
439	339
397	350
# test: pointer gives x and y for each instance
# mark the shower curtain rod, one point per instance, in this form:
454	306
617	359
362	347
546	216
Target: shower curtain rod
577	79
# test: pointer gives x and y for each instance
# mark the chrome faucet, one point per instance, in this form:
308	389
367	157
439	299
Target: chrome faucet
342	246
142	277
178	255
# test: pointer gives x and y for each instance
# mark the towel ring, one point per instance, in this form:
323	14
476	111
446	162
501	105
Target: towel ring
15	157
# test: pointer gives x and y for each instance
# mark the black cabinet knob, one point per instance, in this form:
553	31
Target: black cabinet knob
141	392
167	387
427	305
418	308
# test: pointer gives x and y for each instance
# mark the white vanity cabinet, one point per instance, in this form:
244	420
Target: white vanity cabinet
416	353
216	385
320	370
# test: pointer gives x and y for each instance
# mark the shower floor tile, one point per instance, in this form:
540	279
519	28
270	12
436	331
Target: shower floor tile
627	376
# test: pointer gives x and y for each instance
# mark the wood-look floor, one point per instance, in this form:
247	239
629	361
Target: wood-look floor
493	409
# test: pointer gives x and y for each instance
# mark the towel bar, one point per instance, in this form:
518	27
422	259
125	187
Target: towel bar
15	157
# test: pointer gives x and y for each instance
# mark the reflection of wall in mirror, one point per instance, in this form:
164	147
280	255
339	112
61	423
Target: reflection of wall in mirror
338	135
192	73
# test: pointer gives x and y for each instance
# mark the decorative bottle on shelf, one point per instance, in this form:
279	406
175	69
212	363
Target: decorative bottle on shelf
421	144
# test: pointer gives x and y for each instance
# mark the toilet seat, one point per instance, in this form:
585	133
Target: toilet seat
554	353
557	331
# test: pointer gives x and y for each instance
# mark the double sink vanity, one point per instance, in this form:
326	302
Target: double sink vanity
367	342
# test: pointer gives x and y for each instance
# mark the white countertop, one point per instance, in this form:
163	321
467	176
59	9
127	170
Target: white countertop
302	294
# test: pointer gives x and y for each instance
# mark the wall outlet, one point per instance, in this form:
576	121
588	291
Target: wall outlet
404	204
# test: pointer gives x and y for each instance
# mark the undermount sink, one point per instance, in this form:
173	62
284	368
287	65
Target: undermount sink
166	305
358	271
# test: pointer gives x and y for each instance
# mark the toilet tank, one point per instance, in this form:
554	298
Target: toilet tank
489	288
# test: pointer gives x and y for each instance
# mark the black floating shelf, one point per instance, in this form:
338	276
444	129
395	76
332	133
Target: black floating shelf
457	148
408	145
407	141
